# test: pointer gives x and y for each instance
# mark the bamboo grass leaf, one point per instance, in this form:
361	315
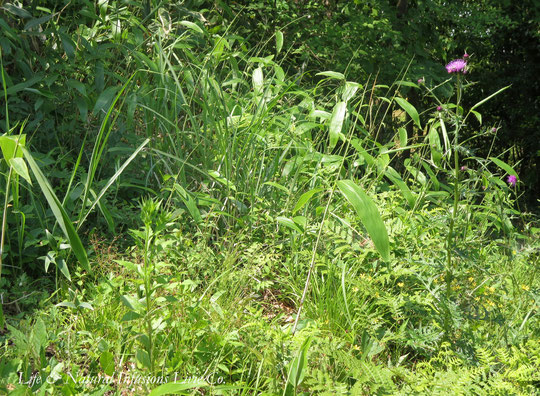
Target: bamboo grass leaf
279	41
332	74
173	388
410	109
258	80
304	198
19	166
504	165
369	215
192	26
336	122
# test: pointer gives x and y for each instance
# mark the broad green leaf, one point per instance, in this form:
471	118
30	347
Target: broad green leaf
21	86
370	160
504	165
79	86
323	115
86	305
130	315
369	215
189	202
57	372
142	58
116	27
19	166
104	99
176	387
59	213
478	116
61	264
289	224
432	176
106	361
336	122
279	41
267	60
298	366
277	185
36	22
67	304
218	177
258	80
40	336
13	9
69	45
192	26
435	146
131	302
304	198
402	137
332	74
407	84
349	90
410	109
395	178
143	358
279	73
12	146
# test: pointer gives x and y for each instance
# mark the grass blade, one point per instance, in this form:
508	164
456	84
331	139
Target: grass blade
59	213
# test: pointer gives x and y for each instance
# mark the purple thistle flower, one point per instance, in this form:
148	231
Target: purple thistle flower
439	108
457	66
512	180
465	55
421	80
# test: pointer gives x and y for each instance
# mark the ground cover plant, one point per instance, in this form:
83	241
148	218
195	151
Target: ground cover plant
186	213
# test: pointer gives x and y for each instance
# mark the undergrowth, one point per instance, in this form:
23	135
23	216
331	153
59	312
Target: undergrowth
215	227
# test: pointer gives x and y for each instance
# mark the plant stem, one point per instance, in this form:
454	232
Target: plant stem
147	241
450	239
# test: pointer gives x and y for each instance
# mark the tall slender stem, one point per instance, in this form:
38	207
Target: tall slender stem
450	241
147	285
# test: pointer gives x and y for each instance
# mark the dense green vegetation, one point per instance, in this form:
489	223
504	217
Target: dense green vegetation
269	197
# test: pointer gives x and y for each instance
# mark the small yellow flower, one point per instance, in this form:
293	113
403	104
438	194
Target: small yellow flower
491	289
355	289
525	287
401	284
